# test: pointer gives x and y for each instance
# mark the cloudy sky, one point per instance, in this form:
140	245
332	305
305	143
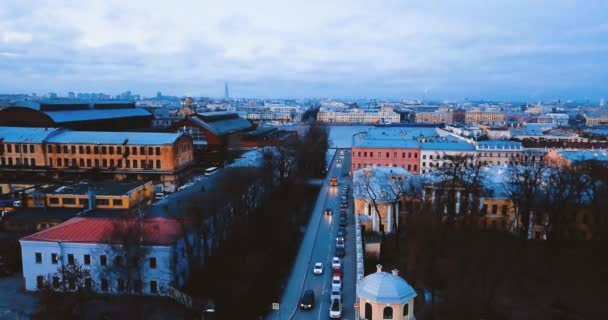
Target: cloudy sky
441	49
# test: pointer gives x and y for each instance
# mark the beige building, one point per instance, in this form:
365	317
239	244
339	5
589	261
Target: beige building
595	119
434	117
478	116
384	295
383	115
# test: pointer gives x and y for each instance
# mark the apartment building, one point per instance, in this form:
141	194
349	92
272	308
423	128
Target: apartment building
499	152
483	117
382	115
434	117
371	149
445	152
160	156
86	241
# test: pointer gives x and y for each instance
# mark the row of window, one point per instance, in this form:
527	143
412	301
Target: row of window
102	149
89	163
8	161
23	148
371	155
105	284
504	209
85	201
103	259
365	165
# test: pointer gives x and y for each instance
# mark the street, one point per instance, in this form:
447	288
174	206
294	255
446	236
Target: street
318	245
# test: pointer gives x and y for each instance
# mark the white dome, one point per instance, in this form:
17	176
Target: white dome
384	287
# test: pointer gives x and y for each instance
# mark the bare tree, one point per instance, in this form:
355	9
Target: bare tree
64	292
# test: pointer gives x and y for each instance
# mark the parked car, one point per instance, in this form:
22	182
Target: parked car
318	268
335	311
343	197
343	204
335	262
328	211
339	243
340	252
342	222
308	300
335	295
340	234
336	283
336	272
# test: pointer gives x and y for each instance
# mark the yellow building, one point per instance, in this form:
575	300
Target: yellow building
383	115
478	116
434	117
595	119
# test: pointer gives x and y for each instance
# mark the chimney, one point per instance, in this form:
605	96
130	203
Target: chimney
395	272
378	268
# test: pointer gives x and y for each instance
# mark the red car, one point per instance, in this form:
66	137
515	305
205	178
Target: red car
336	272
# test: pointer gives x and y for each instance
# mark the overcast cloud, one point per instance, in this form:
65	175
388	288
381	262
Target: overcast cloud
517	49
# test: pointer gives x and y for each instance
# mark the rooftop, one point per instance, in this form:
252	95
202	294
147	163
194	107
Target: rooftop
34	215
156	231
125	138
106	188
24	135
384	287
96	114
221	123
447	144
583	155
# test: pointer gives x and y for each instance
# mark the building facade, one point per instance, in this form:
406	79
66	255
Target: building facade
382	115
434	117
483	117
499	152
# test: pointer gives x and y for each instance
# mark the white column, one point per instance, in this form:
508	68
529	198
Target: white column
397	213
457	202
374	220
389	213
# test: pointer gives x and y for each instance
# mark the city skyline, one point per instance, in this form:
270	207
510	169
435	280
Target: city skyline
501	51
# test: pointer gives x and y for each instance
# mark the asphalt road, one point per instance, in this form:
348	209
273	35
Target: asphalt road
318	245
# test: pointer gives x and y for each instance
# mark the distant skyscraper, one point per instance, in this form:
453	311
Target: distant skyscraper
159	95
226	92
602	102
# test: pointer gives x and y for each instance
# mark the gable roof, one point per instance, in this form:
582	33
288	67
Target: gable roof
157	231
221	123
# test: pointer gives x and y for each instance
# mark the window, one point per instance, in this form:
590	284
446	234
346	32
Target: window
153	263
54	258
494	209
153	286
415	155
120	285
118	261
38	257
409	154
70	259
25	161
150	151
134	163
59	163
484	209
73	149
150	164
102	202
395	155
388	313
69	200
127	163
103	150
54	200
424	164
143	164
119	163
88	148
88	283
111	150
409	167
81	162
505	209
406	309
134	150
96	150
87	259
96	163
365	154
39	282
66	162
9	148
55	282
65	149
117	202
157	164
16	148
431	157
359	154
104	162
403	155
137	286
10	161
142	150
111	163
25	148
379	154
103	260
89	163
104	284
81	149
118	150
415	167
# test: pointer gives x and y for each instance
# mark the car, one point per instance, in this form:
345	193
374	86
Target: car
343	230
336	283
336	272
308	300
340	235
339	243
342	222
335	262
318	268
344	204
339	161
340	252
328	211
343	197
335	295
335	311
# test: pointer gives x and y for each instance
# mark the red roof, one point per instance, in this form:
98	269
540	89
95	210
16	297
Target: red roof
156	231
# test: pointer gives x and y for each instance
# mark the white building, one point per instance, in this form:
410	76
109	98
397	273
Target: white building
442	152
95	244
384	295
383	115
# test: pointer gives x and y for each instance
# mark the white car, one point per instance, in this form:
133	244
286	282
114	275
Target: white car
335	310
335	262
340	243
336	284
335	295
318	269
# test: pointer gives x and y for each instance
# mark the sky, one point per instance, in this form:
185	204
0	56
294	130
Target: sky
411	49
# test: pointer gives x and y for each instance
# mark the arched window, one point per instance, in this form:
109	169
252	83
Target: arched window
388	313
406	309
368	311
